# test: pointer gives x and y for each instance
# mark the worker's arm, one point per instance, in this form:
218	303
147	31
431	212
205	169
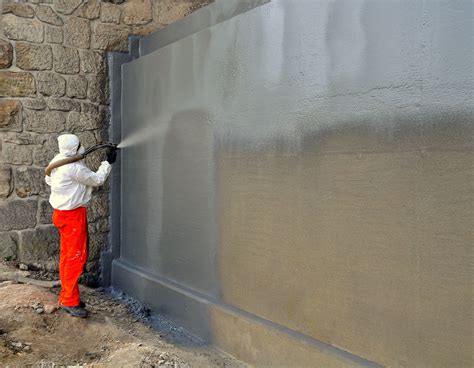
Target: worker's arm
47	179
84	175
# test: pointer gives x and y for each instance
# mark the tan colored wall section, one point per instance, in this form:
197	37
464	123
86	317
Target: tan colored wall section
375	254
262	345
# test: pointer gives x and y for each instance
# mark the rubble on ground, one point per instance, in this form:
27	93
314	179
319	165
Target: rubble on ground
118	332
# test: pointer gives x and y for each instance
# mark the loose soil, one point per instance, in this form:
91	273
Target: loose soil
119	332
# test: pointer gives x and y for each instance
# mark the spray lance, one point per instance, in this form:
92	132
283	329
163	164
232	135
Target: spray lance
78	157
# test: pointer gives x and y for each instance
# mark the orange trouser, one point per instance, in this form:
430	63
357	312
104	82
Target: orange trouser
72	226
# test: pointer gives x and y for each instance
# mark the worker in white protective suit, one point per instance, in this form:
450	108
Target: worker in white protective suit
71	189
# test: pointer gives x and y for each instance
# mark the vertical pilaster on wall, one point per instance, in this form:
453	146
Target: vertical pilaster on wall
115	61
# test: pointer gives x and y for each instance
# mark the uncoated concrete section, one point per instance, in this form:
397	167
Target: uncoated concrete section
306	183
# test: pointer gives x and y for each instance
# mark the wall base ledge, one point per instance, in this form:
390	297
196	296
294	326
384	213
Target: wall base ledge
241	334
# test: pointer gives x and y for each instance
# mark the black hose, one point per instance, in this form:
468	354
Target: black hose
72	159
99	146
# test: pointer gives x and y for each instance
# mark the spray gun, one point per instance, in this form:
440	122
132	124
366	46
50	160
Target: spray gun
78	157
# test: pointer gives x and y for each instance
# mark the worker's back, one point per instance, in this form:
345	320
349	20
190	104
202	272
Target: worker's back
67	192
71	184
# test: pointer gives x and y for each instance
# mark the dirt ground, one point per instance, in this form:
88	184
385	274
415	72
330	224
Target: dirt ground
119	332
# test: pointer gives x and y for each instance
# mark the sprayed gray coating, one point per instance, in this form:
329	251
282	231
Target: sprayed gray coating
115	60
219	11
308	163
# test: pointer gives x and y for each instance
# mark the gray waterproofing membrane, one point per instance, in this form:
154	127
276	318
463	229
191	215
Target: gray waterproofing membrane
115	61
207	16
306	183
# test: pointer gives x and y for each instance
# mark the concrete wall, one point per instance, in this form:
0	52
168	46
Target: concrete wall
303	195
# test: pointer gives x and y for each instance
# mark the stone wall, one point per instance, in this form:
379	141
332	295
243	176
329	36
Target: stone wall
53	79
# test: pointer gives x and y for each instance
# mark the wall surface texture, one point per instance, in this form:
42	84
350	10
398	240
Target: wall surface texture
303	195
53	79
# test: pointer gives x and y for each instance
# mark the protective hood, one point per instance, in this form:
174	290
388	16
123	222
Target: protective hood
68	144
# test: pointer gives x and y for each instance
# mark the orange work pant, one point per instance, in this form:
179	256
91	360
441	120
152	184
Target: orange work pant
72	226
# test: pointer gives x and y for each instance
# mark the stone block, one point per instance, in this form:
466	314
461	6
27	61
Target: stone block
46	147
66	60
33	57
90	9
40	244
45	212
17	84
97	243
34	103
46	14
63	104
98	207
42	156
76	86
42	147
22	29
92	62
89	108
52	142
110	13
10	115
103	133
66	6
53	34
110	37
51	84
17	154
80	122
170	11
100	226
18	214
87	138
30	181
24	138
98	90
6	54
8	246
137	12
5	181
45	121
146	29
18	9
77	33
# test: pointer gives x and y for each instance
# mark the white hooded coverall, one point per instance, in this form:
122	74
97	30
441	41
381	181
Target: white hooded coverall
71	184
71	187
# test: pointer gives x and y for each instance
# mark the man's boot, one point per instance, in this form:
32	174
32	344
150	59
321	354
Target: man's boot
75	311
